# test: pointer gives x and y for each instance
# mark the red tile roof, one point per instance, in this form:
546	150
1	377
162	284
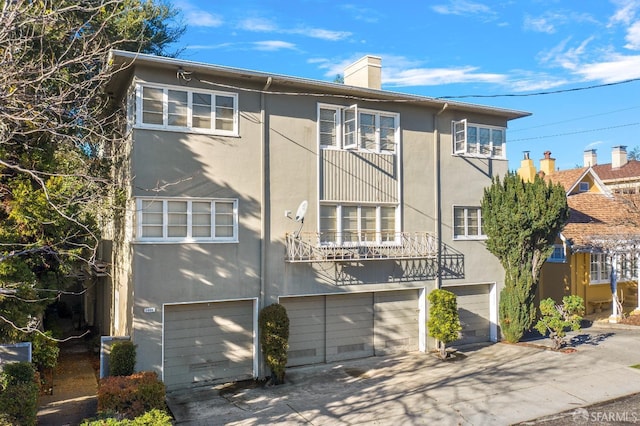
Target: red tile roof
595	216
566	178
629	170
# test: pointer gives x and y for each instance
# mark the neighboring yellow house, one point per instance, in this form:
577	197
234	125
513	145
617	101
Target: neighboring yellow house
602	235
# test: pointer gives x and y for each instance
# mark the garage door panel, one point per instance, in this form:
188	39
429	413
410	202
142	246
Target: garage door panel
208	342
349	326
396	321
306	329
474	313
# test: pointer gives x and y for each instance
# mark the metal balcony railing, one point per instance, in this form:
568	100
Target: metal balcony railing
324	247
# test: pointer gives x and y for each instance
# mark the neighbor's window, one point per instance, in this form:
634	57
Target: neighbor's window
600	269
358	224
467	223
189	110
478	140
627	267
184	220
558	254
354	128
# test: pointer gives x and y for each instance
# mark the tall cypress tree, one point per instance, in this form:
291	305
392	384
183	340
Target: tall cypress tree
521	220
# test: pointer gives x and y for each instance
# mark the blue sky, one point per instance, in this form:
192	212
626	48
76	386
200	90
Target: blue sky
454	48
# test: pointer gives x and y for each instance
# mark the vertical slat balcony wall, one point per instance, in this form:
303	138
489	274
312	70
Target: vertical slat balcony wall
355	247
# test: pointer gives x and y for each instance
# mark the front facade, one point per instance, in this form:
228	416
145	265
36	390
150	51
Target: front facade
345	204
602	237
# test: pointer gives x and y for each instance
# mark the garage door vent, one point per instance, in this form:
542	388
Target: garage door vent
356	347
301	353
398	342
209	365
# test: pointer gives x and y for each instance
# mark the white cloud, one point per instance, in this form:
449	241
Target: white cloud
363	14
320	33
273	45
633	37
625	12
262	25
197	17
267	26
614	69
462	7
567	58
540	25
436	76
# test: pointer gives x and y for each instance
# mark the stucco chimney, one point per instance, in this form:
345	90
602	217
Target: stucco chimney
618	156
365	72
527	170
547	164
590	158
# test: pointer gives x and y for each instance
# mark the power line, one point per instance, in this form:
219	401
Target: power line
549	92
512	131
575	133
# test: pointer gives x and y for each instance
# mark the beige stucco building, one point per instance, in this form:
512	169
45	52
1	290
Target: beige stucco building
345	203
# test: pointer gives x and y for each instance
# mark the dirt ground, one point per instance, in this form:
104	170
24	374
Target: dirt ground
631	320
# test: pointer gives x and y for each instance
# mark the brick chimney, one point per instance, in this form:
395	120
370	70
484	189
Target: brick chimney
527	170
365	72
547	164
590	158
618	156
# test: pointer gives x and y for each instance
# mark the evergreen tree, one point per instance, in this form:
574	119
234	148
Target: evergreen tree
55	120
521	220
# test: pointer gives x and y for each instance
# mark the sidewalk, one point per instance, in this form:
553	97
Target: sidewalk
492	385
74	388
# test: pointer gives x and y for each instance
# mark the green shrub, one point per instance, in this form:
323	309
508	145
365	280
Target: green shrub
122	360
274	339
132	395
444	322
150	418
45	350
557	318
19	393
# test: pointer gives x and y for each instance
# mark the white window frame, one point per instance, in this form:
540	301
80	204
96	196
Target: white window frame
342	136
189	238
466	235
137	110
378	241
603	269
462	147
558	255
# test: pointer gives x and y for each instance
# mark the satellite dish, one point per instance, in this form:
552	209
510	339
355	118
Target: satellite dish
302	210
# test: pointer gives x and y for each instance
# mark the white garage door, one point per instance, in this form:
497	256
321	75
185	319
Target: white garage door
208	343
348	326
474	311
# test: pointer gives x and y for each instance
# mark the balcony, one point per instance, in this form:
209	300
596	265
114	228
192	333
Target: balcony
321	247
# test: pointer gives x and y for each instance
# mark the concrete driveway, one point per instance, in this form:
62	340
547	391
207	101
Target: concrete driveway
491	385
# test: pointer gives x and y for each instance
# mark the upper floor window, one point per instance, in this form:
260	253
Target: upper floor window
479	140
558	255
357	224
191	110
600	269
467	223
186	220
357	129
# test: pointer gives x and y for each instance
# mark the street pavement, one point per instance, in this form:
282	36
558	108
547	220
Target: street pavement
498	384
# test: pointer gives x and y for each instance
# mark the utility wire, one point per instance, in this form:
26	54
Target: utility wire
512	131
575	133
549	92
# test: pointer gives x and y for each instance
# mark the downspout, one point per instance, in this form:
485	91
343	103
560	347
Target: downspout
438	195
264	178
